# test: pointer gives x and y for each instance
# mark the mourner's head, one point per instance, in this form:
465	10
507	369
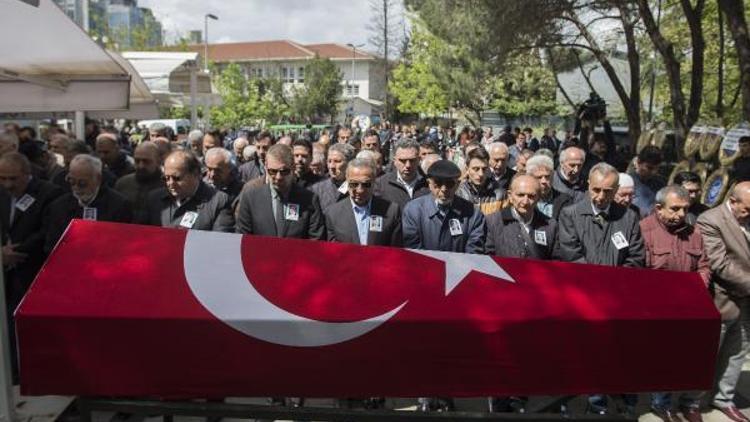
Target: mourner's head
84	177
571	163
442	178
739	202
107	148
541	168
672	203
426	148
360	176
302	150
648	161
371	141
477	166
521	160
524	194
498	157
263	142
692	183
280	168
625	190
238	146
212	140
58	143
218	167
406	159
603	183
344	135
744	146
338	157
147	161
8	142
15	173
195	142
182	174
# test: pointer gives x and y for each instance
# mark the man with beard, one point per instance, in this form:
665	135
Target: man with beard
479	188
550	201
89	199
108	150
147	177
567	178
303	152
188	202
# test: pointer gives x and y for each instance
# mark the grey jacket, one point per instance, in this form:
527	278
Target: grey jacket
213	208
327	192
425	228
506	237
577	190
617	242
342	227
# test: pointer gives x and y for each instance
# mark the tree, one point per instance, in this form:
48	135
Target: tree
526	87
385	33
239	99
321	93
734	12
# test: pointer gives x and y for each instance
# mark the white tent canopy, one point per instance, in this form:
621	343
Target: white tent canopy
143	105
156	68
49	64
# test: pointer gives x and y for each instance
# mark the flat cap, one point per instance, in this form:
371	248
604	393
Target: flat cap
444	169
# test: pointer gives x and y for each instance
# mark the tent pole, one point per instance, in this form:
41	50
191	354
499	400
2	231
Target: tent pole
7	402
80	125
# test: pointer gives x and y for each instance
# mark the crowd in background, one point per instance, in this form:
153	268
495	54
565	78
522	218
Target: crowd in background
578	198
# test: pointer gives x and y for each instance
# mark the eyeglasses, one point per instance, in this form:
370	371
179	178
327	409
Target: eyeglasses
79	183
274	172
363	185
449	184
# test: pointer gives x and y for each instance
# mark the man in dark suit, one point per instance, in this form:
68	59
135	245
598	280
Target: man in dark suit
89	199
147	177
404	182
363	219
303	151
257	166
187	201
279	207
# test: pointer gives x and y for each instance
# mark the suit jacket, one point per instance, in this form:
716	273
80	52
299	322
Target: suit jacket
728	252
110	206
425	228
137	194
583	240
213	207
388	188
342	227
255	214
506	237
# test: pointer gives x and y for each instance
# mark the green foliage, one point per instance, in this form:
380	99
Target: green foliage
525	87
319	97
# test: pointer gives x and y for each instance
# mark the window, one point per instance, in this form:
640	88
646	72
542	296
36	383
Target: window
284	74
301	75
351	90
287	74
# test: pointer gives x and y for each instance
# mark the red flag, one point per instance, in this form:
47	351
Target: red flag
142	311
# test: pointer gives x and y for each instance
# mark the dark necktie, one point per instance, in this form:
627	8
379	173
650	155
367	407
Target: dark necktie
601	218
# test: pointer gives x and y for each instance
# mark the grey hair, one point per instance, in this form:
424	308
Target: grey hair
89	160
429	160
564	155
603	169
195	135
407	143
346	150
661	196
539	161
225	155
10	138
545	151
366	154
249	152
497	146
363	163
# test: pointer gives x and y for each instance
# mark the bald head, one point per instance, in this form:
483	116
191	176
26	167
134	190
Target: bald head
739	203
524	194
147	161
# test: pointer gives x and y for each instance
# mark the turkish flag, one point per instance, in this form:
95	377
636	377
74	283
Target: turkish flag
126	310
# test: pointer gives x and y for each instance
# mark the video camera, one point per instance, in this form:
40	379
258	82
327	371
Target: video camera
593	110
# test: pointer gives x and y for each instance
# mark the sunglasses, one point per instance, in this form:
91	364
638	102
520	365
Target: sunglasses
283	172
363	185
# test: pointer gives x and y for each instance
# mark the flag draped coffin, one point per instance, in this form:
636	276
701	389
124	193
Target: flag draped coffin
125	310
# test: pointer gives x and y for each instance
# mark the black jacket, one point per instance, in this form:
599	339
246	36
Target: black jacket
388	188
342	227
255	214
213	208
506	237
327	192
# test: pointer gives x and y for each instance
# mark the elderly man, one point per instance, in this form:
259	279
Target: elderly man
550	201
303	151
364	219
195	142
221	173
726	236
256	168
626	192
135	187
8	143
376	157
331	190
187	202
158	129
674	244
692	183
404	183
501	171
647	179
116	161
568	178
89	199
279	207
596	230
238	147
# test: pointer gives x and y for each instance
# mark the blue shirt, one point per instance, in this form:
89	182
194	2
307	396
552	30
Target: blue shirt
362	218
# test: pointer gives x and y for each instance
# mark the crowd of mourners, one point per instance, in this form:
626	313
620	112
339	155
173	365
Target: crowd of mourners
577	199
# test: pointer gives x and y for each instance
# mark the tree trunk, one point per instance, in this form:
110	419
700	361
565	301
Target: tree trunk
694	17
634	61
734	11
720	70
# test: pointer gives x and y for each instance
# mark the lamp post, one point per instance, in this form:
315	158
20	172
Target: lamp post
205	38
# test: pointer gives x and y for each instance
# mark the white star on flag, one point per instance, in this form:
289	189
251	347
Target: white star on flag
459	265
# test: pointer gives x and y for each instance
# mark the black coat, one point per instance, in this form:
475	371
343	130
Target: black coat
506	237
255	214
213	207
109	204
388	188
327	192
342	227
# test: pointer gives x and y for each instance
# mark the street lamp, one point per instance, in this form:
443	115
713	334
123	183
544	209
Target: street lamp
354	55
205	37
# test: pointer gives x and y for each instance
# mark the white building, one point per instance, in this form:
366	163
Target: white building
363	86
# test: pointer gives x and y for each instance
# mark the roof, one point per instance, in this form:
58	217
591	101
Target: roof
277	50
156	67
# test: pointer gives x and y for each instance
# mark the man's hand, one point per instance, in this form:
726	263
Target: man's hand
12	258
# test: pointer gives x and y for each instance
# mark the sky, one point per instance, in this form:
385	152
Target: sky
304	21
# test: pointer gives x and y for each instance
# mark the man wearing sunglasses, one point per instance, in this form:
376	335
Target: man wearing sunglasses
187	202
280	207
364	219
